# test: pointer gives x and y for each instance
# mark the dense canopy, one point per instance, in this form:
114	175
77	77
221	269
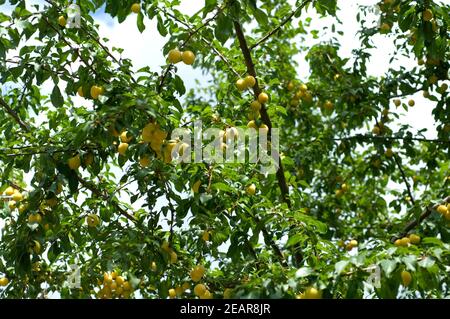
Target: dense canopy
95	206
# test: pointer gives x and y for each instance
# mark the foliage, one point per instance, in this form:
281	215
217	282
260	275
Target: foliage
340	154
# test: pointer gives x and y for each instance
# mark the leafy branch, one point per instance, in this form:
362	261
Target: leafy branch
416	222
282	24
265	116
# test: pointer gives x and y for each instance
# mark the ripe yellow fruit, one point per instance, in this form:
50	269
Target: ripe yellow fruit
96	91
406	278
376	130
433	79
4	282
385	27
122	149
312	293
447	216
136	8
188	57
328	105
389	152
263	129
442	209
205	235
153	266
9	191
120	280
199	290
427	15
17	196
174	56
93	220
250	81
62	21
252	124
397	102
339	193
145	161
290	86
197	273
196	186
173	257
263	98
74	162
172	293
344	187
231	133
80	91
227	293
307	97
241	85
125	137
107	279
22	208
411	103
179	290
52	202
126	286
206	295
404	242
34	218
255	106
414	239
303	87
251	189
12	204
352	244
113	285
398	242
36	247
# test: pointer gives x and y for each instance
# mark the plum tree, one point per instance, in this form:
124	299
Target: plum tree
90	143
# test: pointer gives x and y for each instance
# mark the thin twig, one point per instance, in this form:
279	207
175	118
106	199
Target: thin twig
14	115
90	186
414	223
389	138
405	180
193	32
283	23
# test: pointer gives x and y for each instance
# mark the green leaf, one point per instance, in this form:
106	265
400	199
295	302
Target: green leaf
339	267
56	97
140	22
388	266
160	26
303	272
426	262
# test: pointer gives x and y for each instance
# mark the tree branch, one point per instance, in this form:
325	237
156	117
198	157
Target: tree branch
14	115
192	32
265	117
389	138
90	186
402	172
282	24
414	223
